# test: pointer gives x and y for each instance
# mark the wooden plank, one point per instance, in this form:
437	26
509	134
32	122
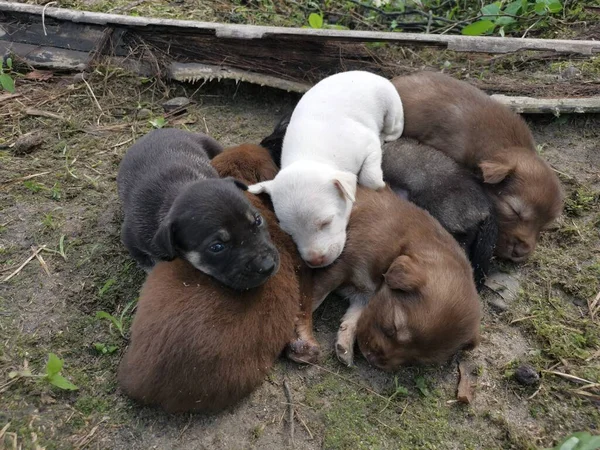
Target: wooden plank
228	31
43	57
528	105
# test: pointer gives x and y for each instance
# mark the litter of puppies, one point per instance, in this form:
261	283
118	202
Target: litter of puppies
387	190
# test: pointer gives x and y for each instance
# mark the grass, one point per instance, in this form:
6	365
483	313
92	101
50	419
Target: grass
92	272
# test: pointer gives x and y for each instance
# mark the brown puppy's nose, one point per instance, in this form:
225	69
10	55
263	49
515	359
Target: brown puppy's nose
521	249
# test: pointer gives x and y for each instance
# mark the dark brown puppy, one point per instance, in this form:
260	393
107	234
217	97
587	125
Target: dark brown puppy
199	346
410	286
480	133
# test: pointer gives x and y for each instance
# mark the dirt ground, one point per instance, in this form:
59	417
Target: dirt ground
64	190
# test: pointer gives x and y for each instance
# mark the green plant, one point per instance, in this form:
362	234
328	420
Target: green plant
315	20
48	221
52	376
104	349
106	286
579	441
158	122
503	16
6	79
33	186
120	322
422	386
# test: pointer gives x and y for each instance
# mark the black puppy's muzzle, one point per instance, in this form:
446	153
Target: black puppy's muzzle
264	265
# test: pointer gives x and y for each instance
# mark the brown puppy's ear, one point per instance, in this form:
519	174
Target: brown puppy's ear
495	171
345	182
163	242
404	274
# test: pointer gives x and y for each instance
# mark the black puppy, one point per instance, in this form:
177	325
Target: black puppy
436	183
175	205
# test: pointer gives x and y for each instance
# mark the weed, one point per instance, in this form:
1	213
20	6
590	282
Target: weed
104	349
52	376
120	322
158	122
579	441
33	186
49	221
6	80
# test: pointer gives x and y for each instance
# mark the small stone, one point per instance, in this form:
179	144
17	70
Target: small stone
497	303
27	143
570	73
527	375
176	103
144	113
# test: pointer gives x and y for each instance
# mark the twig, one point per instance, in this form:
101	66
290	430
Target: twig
288	396
92	92
521	319
594	306
39	112
28	177
304	425
568	376
122	143
369	390
42	262
529	29
3	430
39	249
84	441
44	16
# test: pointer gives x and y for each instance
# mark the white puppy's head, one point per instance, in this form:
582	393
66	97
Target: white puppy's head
312	202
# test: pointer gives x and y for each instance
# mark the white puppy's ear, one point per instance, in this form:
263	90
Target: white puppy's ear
345	182
259	188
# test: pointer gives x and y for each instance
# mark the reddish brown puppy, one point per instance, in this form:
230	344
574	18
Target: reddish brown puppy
486	136
410	286
197	345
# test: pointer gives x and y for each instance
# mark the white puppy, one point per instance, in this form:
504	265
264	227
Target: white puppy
334	136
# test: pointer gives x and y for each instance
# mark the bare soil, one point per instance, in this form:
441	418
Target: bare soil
66	189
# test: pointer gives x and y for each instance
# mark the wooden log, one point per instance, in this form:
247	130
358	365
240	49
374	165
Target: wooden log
251	32
556	106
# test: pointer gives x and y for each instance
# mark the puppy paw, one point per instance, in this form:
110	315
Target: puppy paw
303	351
345	353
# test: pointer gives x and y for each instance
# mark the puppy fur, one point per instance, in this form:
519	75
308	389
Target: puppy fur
175	205
412	296
199	346
450	193
436	183
333	140
493	141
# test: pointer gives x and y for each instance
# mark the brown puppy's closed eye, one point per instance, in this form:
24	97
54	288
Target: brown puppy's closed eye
492	141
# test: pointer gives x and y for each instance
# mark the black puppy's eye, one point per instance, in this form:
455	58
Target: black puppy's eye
258	220
217	247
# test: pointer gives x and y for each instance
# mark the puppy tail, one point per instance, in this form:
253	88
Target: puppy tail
274	142
482	249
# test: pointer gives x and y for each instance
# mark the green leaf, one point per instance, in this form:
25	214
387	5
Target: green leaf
7	83
9	63
504	20
104	349
54	365
492	9
158	122
422	386
106	287
513	8
104	315
540	8
61	382
592	444
554	6
315	20
478	28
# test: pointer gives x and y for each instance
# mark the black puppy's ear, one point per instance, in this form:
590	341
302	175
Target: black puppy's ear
163	242
238	183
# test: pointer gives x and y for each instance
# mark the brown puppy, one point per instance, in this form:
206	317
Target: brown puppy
197	345
480	133
410	286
